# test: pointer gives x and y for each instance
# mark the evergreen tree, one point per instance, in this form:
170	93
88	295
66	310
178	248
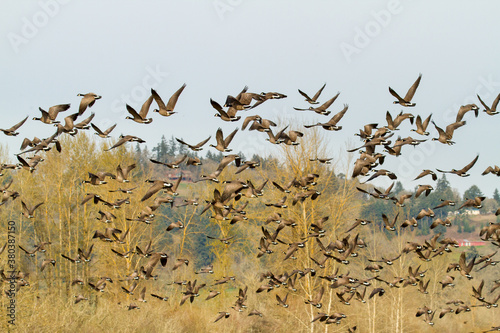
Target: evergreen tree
398	187
472	192
496	196
172	146
442	184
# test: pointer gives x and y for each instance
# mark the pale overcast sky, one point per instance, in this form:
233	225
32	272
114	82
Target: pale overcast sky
54	49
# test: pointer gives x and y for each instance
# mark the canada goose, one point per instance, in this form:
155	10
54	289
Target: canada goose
292	248
494	170
163	298
25	165
46	262
322	160
50	116
172	190
208	269
29	253
173	165
301	196
485	258
85	255
493	110
429	316
222	314
45	145
7	194
357	223
196	147
12	131
173	225
92	196
477	293
122	173
103	134
331	125
75	261
232	102
476	203
224	240
436	222
141	116
462	308
80	298
422	286
466	108
264	247
29	211
375	291
124	139
465	268
212	294
425	173
157	186
422	125
154	259
394	124
124	190
462	172
446	136
132	306
123	255
316	301
179	262
376	141
275	217
381	172
445	203
193	161
98	178
246	165
88	100
282	302
406	101
413	222
323	108
366	132
30	143
131	289
107	235
255	313
278	138
286	187
84	124
318	225
222	144
423	189
258	121
230	115
279	204
167	110
389	261
425	213
314	99
489	230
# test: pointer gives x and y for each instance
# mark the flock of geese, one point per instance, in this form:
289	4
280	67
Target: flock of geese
343	251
